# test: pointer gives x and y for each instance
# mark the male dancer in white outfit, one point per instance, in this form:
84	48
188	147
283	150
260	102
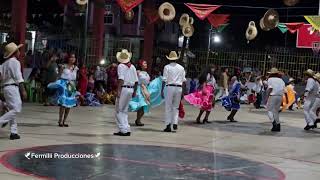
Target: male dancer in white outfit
12	82
127	87
316	104
276	88
310	95
174	78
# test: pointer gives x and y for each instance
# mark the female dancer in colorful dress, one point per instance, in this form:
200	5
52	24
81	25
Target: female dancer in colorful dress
204	97
66	89
232	101
148	93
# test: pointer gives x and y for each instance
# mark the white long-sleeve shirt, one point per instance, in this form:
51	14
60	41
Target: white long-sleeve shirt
277	85
174	74
312	88
128	75
11	72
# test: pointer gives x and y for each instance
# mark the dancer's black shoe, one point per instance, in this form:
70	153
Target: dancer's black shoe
175	127
307	128
14	136
122	134
168	128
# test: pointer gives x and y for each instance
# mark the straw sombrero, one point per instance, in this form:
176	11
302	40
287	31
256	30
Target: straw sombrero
290	2
10	49
188	30
274	71
173	56
251	31
184	19
167	12
317	76
82	2
124	56
309	72
271	19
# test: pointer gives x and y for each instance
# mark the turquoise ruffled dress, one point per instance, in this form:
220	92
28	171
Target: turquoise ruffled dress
154	89
65	89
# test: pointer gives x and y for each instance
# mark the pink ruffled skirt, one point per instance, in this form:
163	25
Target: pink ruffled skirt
202	99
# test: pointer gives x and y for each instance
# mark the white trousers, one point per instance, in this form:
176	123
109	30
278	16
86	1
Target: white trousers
122	106
314	108
308	103
172	101
273	107
14	104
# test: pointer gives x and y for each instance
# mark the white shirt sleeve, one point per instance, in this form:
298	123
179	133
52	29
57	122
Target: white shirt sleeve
310	84
269	82
121	71
15	70
135	77
184	76
165	74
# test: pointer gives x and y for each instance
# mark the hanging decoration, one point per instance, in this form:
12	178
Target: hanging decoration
184	19
191	20
282	27
129	15
305	39
251	32
81	2
167	12
128	5
314	21
293	27
270	20
187	30
202	10
218	19
221	28
290	2
152	15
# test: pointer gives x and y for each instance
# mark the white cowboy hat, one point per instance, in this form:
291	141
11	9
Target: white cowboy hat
82	2
167	11
124	56
309	72
173	56
274	71
251	32
187	30
10	49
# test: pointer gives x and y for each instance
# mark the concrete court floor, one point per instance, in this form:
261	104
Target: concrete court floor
292	152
